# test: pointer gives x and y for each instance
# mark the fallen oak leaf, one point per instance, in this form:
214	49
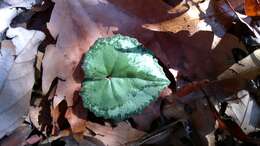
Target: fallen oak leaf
17	76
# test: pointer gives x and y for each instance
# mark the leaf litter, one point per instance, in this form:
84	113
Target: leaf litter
195	38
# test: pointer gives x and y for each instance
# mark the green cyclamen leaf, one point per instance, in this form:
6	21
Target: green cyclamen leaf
121	78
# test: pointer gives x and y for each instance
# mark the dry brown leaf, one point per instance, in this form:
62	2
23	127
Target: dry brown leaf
116	136
200	16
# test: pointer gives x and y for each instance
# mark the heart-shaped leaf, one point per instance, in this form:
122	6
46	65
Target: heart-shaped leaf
121	77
